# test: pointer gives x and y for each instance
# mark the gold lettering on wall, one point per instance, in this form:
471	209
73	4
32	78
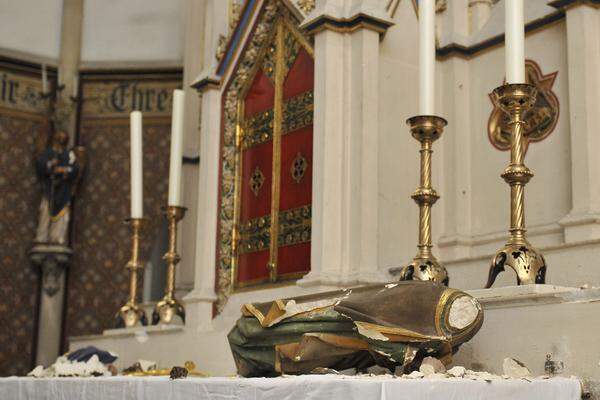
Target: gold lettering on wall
119	98
21	93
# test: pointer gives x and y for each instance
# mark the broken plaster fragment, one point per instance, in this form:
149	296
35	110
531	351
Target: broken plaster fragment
463	312
435	364
457	372
414	375
515	369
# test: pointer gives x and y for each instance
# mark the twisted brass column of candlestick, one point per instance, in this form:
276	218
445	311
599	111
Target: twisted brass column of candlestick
169	306
131	314
426	129
529	264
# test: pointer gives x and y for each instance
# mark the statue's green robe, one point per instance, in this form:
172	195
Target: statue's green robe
395	324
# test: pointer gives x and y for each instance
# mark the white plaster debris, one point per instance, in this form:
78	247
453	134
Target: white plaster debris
515	368
413	375
463	312
438	375
63	367
431	365
457	372
427	370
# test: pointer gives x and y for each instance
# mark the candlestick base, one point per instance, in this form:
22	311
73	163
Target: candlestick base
130	316
166	310
527	262
425	269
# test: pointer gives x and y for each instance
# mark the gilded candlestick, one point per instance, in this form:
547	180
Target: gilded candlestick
131	315
169	306
528	263
426	129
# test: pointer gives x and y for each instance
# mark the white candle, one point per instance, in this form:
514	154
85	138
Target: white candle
136	165
515	41
426	57
176	148
44	79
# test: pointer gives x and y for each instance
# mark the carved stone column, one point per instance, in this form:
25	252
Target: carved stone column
65	113
583	30
53	261
199	302
346	136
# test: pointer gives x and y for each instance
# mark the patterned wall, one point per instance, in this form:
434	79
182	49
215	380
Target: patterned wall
22	127
98	281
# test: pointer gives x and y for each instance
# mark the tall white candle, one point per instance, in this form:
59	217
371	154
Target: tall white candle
515	41
176	148
136	165
426	57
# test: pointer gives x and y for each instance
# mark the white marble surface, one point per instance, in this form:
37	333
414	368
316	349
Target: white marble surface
311	387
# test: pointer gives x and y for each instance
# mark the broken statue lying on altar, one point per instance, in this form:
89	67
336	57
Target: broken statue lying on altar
391	325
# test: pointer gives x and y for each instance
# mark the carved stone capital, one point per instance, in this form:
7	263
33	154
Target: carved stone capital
52	260
343	16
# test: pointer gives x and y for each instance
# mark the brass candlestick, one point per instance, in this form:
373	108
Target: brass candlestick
169	306
131	314
426	129
529	264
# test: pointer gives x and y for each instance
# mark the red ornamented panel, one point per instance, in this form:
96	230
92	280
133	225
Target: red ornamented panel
256	180
276	159
296	168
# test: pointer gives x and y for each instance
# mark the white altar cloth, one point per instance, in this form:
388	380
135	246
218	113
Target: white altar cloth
325	387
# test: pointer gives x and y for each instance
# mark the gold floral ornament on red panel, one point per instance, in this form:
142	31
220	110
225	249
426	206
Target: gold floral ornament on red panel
256	181
540	122
299	167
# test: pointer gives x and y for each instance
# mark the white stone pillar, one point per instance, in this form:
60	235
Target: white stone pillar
68	64
53	260
345	137
328	160
199	302
362	130
193	64
583	31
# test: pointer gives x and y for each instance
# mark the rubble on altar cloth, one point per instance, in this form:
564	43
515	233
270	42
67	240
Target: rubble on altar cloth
393	325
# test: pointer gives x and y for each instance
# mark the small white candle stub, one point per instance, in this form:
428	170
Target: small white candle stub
426	57
137	180
515	41
176	148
